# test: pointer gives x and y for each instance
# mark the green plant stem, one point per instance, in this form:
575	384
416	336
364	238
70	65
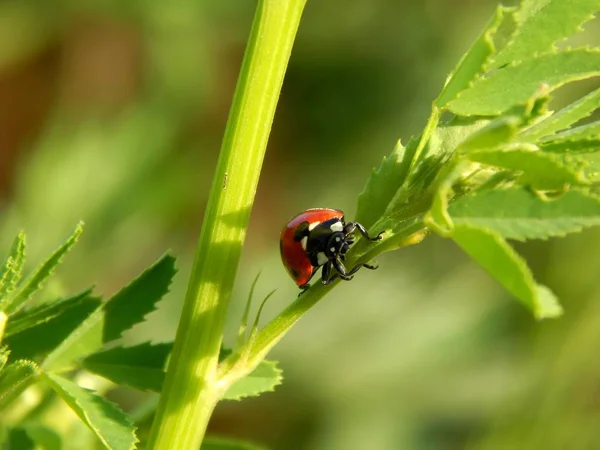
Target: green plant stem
191	388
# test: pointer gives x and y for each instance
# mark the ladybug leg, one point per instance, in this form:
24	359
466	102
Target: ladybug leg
326	277
357	268
341	269
351	226
303	288
371	266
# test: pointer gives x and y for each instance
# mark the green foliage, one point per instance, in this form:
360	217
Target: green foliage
519	214
541	171
33	283
12	270
142	366
48	326
41	314
14	379
262	379
472	64
126	308
106	420
492	252
504	166
499	92
564	118
542	23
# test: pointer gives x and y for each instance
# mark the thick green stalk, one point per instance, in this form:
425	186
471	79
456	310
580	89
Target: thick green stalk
191	390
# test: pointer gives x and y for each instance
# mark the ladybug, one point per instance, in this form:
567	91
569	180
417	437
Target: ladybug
317	238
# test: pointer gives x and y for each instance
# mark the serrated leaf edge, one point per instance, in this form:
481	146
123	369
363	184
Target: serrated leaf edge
48	377
256	393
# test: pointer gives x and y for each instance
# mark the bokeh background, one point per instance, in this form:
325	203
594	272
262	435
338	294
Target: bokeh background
112	112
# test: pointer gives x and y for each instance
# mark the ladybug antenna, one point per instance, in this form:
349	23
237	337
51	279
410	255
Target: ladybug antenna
244	323
254	329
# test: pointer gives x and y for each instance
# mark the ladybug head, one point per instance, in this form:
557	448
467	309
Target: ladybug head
338	244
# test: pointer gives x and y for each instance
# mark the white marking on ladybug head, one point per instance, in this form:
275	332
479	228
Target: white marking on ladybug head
322	258
303	242
337	226
313	225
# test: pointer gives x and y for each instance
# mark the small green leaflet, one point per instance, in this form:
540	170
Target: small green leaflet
499	92
583	139
219	443
34	282
519	214
542	23
15	378
37	337
564	118
12	270
126	308
542	171
104	418
499	131
28	318
383	184
501	261
263	379
141	366
472	64
574	146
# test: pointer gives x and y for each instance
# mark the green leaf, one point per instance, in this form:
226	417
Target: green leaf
36	337
501	261
541	23
579	146
141	367
383	184
500	91
34	282
12	270
14	379
28	318
105	419
42	436
543	171
583	139
564	118
519	214
126	308
263	379
499	131
219	443
471	65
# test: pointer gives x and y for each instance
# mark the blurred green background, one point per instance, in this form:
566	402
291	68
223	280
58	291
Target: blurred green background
112	112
